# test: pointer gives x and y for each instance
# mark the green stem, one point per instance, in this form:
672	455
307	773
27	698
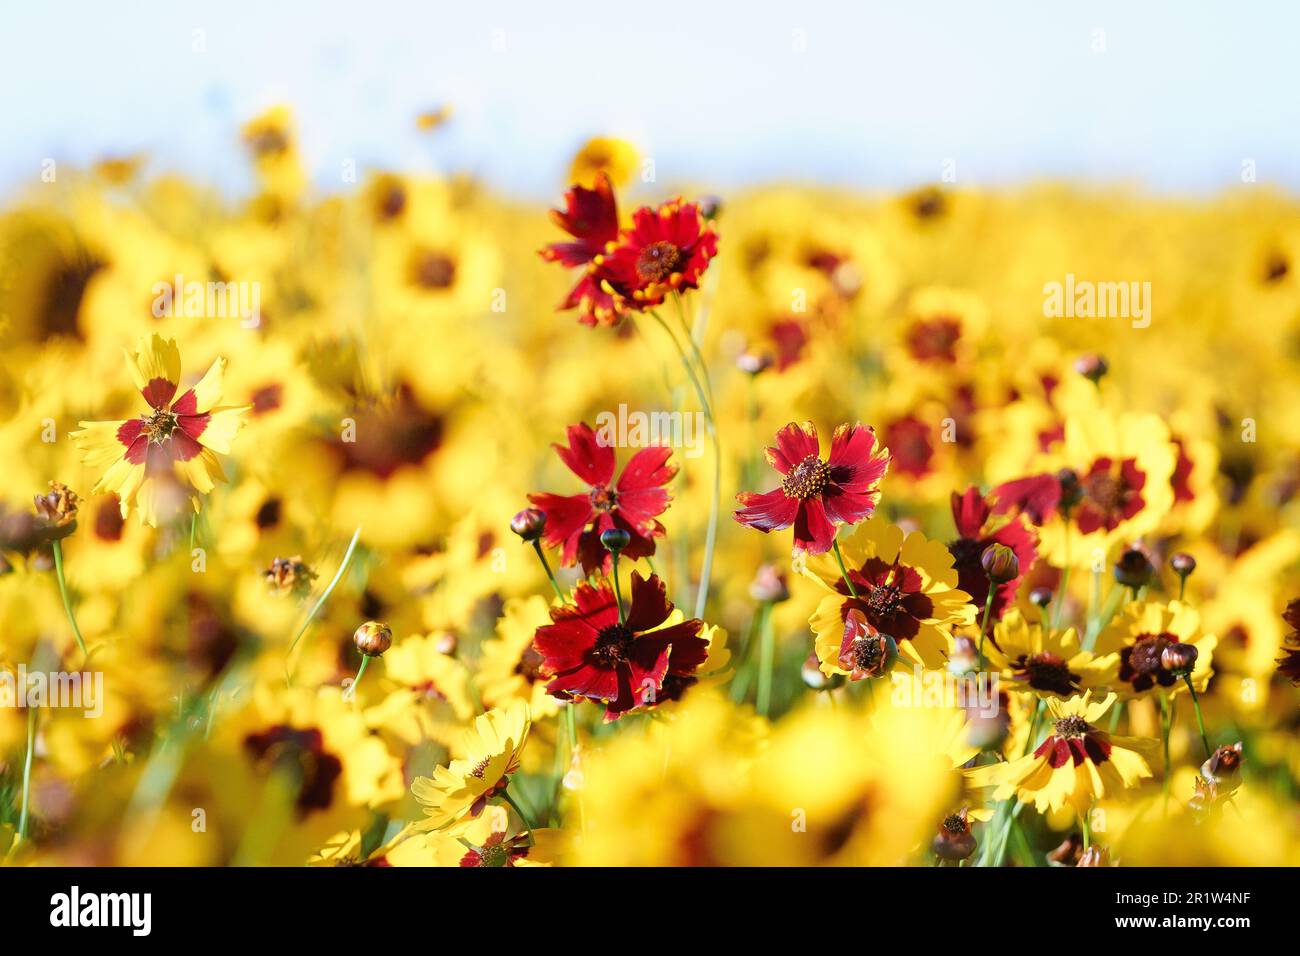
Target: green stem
1166	725
767	655
505	794
27	772
320	602
984	623
835	546
618	590
67	601
550	576
365	662
1200	721
711	534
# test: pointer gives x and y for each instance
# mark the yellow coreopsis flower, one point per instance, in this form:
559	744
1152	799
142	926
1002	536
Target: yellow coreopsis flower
155	460
510	668
490	752
1044	661
1076	765
1140	636
906	588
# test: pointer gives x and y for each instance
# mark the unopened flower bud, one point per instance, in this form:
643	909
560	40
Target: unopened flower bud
1092	366
57	510
1133	569
615	539
1000	563
769	585
1178	659
1182	563
954	841
529	523
289	575
1040	597
1224	765
710	206
814	679
373	638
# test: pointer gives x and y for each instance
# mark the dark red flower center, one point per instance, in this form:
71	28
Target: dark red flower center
480	768
299	754
159	426
493	856
1072	727
1050	673
604	498
806	479
658	261
934	339
1144	657
956	823
867	653
883	601
433	270
613	645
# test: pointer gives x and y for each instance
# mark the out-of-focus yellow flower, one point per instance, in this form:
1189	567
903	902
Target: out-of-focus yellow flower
616	158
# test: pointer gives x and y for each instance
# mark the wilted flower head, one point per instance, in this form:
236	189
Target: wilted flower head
57	509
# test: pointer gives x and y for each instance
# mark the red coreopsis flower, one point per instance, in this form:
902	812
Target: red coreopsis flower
590	216
623	665
666	250
575	522
971	514
815	495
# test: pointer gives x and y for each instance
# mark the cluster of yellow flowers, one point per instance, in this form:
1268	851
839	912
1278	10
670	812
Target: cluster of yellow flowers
270	605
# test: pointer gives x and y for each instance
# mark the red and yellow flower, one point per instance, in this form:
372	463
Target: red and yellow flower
154	460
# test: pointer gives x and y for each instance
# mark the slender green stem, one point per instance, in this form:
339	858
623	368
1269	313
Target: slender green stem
618	590
365	662
711	533
524	817
1065	576
984	623
767	655
194	524
550	575
1166	725
835	546
67	601
1087	831
27	773
1200	721
320	602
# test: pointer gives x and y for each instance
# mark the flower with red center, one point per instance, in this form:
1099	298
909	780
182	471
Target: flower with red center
590	216
1111	492
666	250
1109	482
623	664
153	460
1138	638
1043	661
904	586
864	651
1289	663
815	495
1076	765
575	522
977	529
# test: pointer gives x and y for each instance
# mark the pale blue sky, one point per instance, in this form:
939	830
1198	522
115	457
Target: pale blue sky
714	92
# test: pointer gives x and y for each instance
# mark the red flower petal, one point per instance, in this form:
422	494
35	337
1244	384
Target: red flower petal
770	511
797	442
586	456
650	604
813	531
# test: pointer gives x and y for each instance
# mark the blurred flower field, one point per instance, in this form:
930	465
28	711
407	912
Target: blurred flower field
319	490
